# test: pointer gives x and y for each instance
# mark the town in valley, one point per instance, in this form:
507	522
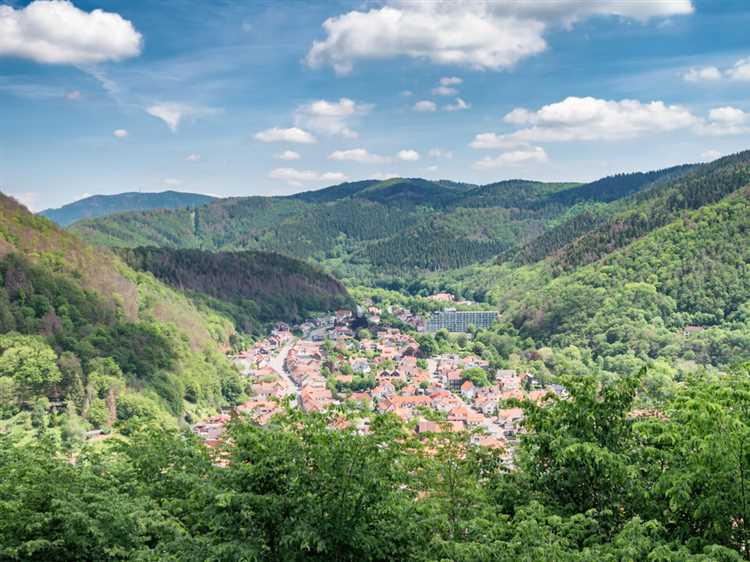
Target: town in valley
355	362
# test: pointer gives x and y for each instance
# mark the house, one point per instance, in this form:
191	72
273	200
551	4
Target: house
383	390
442	297
411	402
427	426
454	378
360	366
343	315
510	419
467	390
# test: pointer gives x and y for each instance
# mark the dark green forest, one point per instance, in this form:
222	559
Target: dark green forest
255	288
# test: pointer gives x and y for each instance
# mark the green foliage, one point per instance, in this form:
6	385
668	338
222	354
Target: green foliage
593	481
254	288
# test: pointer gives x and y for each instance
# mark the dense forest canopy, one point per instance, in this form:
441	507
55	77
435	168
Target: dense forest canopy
595	480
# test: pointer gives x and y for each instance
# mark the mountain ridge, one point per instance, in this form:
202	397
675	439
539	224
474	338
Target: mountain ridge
103	205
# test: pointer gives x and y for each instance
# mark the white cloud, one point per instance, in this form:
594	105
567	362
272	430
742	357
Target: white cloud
513	158
174	113
440	153
477	34
458	105
451	81
407	93
193	157
120	133
493	141
444	91
704	74
172	182
56	32
331	117
725	121
586	119
425	106
296	177
431	169
73	95
288	155
740	71
30	199
293	134
408	155
360	155
382	176
710	155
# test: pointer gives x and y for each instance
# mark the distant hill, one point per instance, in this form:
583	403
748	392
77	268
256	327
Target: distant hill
103	205
369	230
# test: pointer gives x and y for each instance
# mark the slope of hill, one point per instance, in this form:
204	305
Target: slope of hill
254	287
666	278
103	205
366	230
87	342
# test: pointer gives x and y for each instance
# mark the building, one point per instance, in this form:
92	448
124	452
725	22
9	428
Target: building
459	321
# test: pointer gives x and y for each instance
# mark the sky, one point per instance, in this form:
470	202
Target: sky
274	97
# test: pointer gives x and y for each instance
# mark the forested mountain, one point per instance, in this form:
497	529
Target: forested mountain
253	287
89	343
662	276
371	229
103	205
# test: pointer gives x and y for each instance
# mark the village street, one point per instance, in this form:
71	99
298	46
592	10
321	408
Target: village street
277	363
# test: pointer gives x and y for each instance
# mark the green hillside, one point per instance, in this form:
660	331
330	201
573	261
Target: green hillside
370	230
89	343
671	284
252	287
104	205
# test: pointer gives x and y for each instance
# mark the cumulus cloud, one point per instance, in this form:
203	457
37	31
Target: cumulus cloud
704	74
493	141
293	134
174	113
297	178
408	155
331	117
56	32
513	158
725	120
288	155
481	35
120	133
740	71
458	105
425	106
193	157
360	155
586	119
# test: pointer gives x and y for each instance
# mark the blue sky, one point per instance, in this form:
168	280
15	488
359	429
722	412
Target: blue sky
274	97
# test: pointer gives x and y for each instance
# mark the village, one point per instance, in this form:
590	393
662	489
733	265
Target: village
382	369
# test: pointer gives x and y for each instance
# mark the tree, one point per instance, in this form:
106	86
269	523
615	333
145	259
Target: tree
30	362
477	376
